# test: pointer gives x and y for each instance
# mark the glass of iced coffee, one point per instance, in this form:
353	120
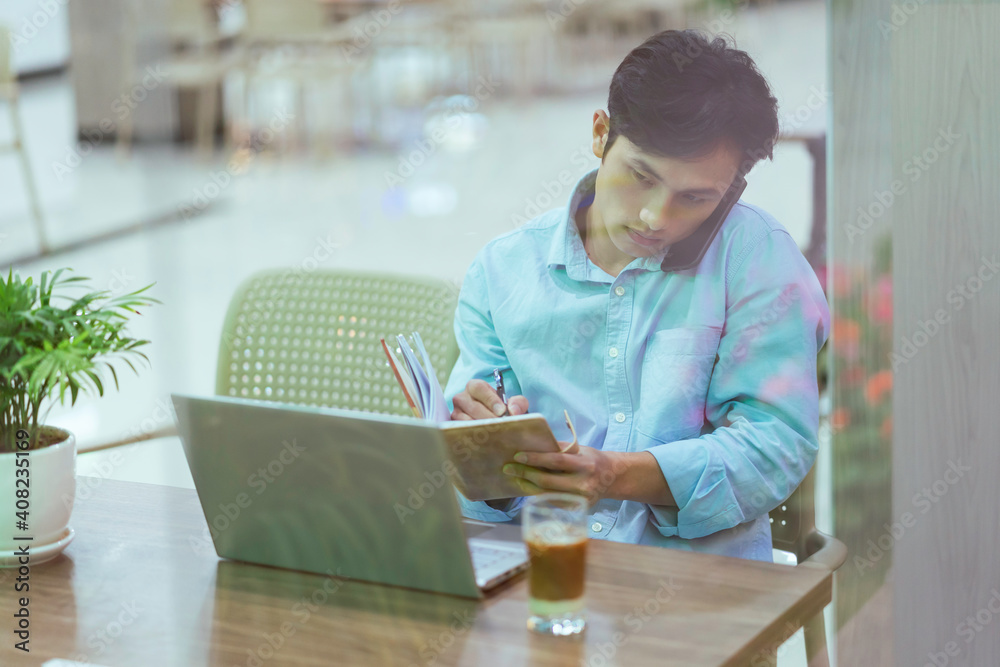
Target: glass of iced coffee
555	532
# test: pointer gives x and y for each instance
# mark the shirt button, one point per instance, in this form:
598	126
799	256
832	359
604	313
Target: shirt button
620	291
619	417
596	527
613	352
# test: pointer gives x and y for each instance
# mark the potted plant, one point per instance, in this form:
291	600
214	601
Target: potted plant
49	350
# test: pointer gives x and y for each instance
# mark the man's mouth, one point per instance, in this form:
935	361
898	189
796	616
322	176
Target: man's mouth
643	240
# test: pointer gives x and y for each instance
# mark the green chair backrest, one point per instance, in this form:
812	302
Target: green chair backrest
313	338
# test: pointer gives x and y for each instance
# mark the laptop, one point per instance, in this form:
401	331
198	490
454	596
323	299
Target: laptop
339	492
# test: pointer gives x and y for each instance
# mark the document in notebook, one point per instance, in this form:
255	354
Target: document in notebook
478	449
419	383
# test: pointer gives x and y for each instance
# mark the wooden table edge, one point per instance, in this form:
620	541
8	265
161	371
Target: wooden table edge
772	637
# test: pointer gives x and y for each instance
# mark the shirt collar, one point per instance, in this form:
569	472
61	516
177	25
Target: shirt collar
567	246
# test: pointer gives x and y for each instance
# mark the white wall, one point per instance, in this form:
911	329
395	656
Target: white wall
40	32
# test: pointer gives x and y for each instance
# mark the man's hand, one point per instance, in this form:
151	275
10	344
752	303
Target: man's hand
481	401
592	473
584	471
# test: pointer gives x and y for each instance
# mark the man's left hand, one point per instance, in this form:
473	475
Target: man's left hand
586	471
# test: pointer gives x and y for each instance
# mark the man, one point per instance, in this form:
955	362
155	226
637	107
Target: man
693	390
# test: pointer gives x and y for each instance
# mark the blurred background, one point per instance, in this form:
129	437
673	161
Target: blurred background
192	143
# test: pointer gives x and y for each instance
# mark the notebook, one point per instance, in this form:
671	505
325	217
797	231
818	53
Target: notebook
477	450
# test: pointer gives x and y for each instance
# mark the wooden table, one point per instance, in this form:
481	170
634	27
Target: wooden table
139	587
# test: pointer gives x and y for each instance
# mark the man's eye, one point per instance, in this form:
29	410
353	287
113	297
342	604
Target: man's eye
639	177
694	199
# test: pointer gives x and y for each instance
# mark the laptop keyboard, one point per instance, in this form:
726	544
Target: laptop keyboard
487	560
484	556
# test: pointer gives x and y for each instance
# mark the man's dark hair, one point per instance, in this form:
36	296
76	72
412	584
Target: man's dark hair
679	95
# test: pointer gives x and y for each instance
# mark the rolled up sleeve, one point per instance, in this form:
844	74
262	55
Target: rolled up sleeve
762	398
480	352
479	509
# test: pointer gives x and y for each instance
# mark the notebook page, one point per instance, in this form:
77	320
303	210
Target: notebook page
420	380
438	408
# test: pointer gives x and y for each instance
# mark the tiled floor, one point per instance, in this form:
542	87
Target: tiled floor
497	167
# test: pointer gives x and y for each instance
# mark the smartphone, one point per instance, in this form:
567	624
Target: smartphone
687	253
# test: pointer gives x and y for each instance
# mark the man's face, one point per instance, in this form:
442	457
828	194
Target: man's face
645	202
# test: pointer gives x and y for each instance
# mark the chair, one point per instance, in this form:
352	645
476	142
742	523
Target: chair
293	41
9	92
313	338
199	63
192	23
508	40
592	38
290	21
793	529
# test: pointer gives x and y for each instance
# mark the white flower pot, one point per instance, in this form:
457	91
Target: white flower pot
51	490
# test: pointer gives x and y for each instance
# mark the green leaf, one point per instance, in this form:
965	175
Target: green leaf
97	382
45	275
114	375
53	344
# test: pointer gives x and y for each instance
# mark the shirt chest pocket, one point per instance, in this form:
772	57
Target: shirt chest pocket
673	387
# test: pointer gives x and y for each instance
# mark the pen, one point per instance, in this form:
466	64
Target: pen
498	384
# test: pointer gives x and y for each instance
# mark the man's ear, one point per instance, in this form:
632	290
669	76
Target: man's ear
602	125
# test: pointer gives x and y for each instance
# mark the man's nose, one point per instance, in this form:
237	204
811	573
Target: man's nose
648	217
656	214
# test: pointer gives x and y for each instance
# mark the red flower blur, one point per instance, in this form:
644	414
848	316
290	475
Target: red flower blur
878	386
885	431
839	276
880	301
846	338
840	418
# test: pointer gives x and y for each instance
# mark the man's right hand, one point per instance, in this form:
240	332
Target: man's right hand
481	401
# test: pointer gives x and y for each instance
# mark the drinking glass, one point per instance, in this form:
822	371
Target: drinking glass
555	532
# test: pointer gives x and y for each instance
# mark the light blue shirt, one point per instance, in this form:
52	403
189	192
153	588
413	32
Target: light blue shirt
711	369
